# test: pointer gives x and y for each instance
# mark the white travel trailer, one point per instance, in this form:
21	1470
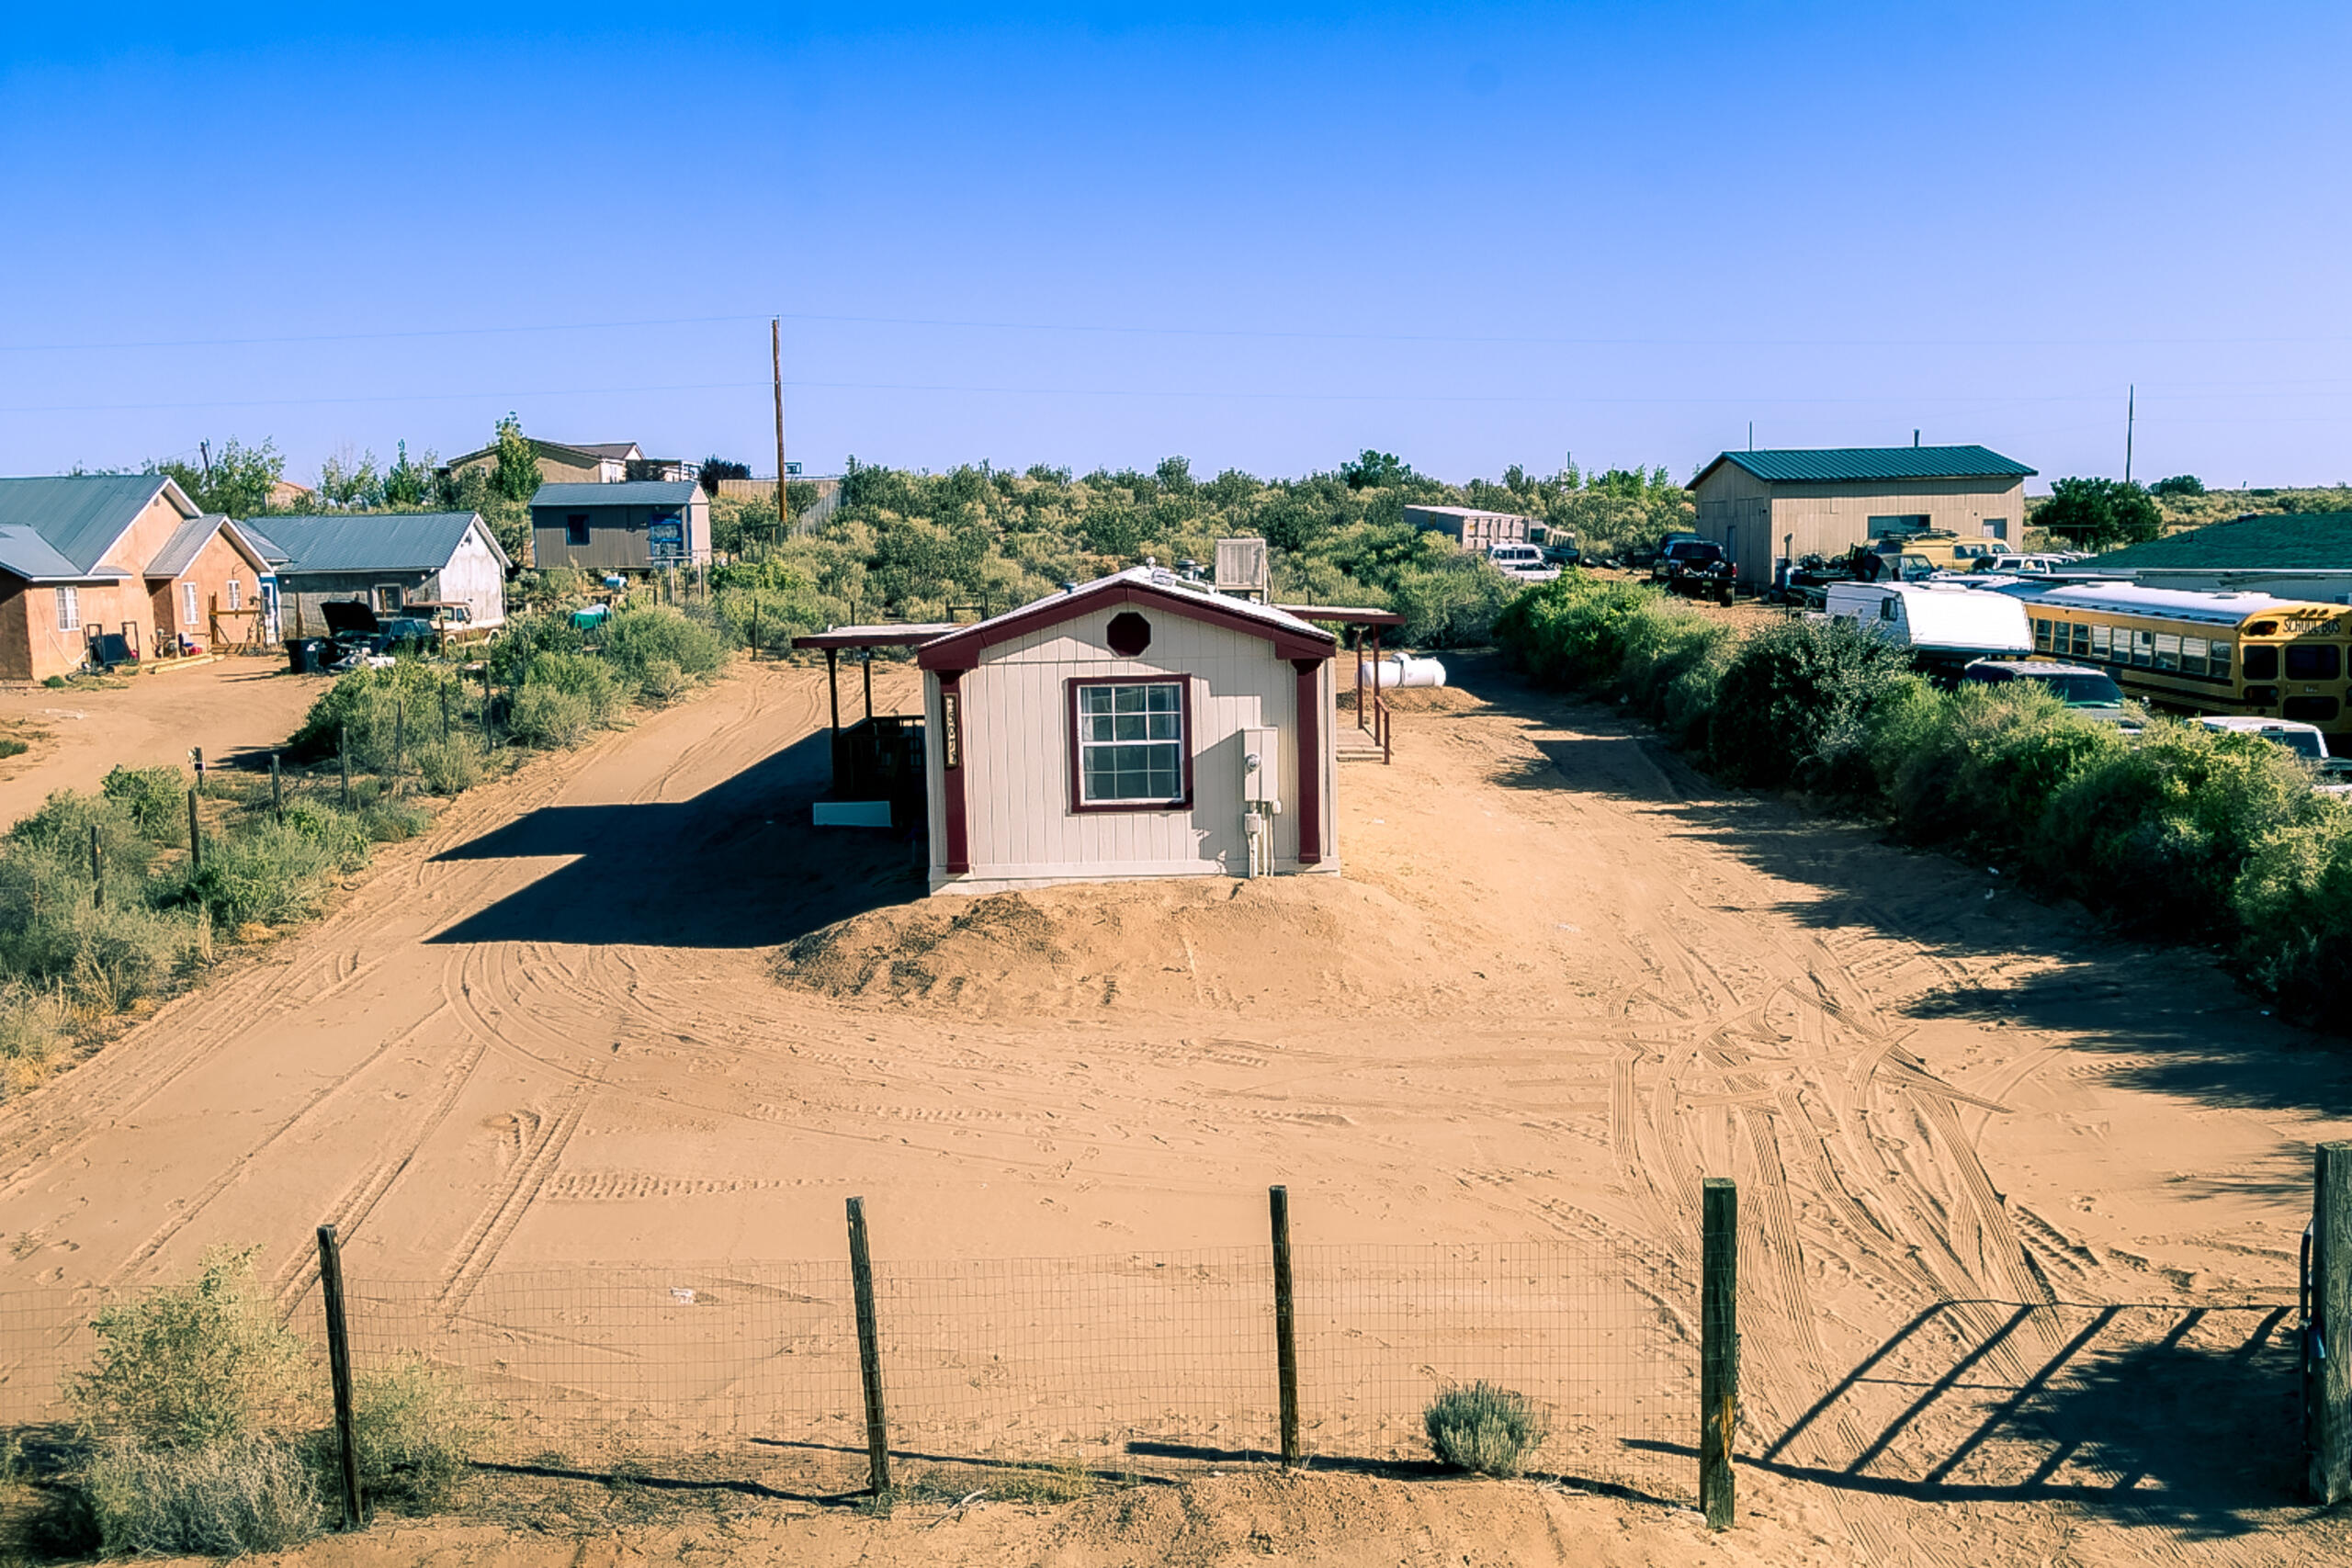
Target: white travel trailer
1944	624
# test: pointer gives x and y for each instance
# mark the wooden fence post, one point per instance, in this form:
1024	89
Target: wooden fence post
869	1352
2327	1335
346	1427
445	712
343	754
1718	1348
400	745
1286	1322
195	839
277	790
97	869
196	752
486	741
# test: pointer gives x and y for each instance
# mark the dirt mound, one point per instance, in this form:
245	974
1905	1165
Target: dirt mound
1212	943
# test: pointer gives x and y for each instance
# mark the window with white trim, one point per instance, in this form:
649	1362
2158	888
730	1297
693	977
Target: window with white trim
188	603
236	593
1131	742
69	609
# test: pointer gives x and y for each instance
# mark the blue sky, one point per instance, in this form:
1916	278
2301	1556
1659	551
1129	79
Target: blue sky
1259	236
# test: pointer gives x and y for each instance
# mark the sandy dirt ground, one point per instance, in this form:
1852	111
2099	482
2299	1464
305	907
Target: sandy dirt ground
233	707
2021	1204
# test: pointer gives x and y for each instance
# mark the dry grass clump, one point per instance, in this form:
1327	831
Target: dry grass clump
418	1430
256	1494
1485	1429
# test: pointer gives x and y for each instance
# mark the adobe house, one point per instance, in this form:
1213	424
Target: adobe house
123	554
385	560
1781	504
1135	727
634	525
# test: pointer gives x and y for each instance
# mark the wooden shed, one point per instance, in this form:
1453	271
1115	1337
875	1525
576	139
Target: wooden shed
1135	727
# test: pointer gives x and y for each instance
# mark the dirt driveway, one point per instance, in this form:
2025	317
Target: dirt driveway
237	706
2022	1204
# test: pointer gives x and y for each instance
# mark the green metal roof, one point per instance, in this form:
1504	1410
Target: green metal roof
79	515
24	553
634	492
1860	465
2286	541
370	541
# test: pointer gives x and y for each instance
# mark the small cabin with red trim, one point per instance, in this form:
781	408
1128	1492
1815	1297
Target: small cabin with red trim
1130	728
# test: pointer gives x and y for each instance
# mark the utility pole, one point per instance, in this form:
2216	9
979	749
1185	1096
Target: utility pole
2131	417
776	353
203	450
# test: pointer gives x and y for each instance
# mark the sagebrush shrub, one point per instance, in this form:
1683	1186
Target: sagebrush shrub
1795	704
418	1430
543	715
155	797
221	1500
195	1363
580	675
1485	1429
635	640
662	683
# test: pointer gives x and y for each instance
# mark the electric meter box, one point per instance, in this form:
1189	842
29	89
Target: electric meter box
1262	778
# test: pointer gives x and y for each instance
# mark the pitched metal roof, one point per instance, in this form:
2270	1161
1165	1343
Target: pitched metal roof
189	538
634	492
2176	604
1859	465
2284	541
79	515
1292	638
24	553
373	541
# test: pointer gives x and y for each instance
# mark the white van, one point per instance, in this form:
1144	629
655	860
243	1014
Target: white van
1524	563
1943	622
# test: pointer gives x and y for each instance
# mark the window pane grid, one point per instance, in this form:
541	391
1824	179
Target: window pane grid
1131	742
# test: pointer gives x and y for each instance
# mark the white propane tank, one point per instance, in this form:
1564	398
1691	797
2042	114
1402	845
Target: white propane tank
1395	672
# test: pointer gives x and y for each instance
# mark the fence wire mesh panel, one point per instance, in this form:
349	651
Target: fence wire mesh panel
749	1372
1109	1362
664	1370
1584	1330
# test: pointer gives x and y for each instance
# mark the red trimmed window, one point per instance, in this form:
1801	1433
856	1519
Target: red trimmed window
1129	749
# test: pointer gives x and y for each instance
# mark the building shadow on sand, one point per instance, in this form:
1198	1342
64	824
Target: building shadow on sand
739	865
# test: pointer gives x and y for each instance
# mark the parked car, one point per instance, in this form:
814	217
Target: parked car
2091	693
2023	565
1523	563
1562	551
1696	567
2303	739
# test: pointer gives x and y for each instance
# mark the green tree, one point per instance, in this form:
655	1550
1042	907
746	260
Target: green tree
407	483
343	482
2095	514
1369	468
2179	485
516	475
236	480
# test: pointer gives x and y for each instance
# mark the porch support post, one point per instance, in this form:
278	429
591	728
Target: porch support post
1310	759
951	770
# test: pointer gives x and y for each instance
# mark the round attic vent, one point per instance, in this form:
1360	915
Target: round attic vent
1130	633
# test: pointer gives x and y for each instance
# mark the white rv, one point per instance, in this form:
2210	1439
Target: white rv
1943	623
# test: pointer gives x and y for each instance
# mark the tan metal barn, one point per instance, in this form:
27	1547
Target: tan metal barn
1135	727
1781	504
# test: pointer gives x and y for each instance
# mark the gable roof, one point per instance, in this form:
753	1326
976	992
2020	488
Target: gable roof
1292	638
2285	541
586	453
80	516
24	553
633	492
191	536
373	541
1860	465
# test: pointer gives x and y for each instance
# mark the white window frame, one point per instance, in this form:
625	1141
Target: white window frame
188	603
236	593
1084	720
69	609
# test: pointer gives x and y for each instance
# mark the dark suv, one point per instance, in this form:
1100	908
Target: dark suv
1696	567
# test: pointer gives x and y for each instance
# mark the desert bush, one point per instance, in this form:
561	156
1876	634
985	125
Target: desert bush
197	1363
221	1500
447	767
1483	1429
1574	631
368	705
527	637
63	823
576	675
1451	603
155	798
386	820
2293	903
342	834
542	715
36	1031
105	956
662	683
635	640
2159	832
418	1430
266	870
1796	705
1983	764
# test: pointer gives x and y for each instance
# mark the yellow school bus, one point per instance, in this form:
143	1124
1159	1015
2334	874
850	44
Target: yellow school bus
2203	653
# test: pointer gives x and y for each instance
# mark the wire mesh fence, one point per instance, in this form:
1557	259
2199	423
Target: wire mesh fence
1134	1362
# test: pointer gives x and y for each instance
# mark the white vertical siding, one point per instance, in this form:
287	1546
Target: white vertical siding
1019	824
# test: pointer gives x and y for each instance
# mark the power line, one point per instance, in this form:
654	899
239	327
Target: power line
1265	334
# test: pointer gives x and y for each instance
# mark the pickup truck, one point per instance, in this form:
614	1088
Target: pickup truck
1696	567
